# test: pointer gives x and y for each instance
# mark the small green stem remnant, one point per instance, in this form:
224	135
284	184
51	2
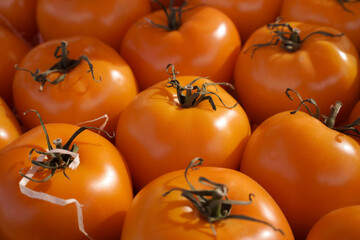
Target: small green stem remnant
190	95
64	66
342	3
287	36
213	204
56	160
328	121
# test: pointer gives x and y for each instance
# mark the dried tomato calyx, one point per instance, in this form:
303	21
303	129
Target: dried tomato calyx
190	96
342	3
59	158
64	66
287	36
213	204
330	120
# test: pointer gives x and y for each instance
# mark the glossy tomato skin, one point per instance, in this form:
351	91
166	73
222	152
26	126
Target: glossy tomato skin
306	167
19	16
79	97
323	12
157	136
108	22
206	44
324	68
9	126
342	223
248	15
101	183
153	216
13	50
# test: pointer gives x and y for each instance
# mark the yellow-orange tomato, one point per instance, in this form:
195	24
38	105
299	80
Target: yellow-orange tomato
9	126
342	223
156	135
78	97
154	216
19	16
100	183
107	21
325	68
13	50
345	18
204	43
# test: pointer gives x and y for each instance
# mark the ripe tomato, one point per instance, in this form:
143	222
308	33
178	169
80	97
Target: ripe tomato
157	135
320	66
106	21
308	168
204	43
341	223
340	14
101	184
248	15
13	50
19	16
78	97
155	216
9	126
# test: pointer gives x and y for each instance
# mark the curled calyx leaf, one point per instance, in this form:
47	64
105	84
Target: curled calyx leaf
59	158
64	66
287	36
172	13
213	204
190	95
342	3
330	120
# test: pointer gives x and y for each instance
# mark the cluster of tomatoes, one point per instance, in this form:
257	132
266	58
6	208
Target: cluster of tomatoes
173	119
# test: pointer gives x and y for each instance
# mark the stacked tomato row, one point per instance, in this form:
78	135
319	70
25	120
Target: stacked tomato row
262	93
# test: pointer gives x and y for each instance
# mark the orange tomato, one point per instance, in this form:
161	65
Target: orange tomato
106	21
323	67
101	183
341	223
157	135
78	97
308	168
339	14
13	50
19	16
204	43
154	216
9	126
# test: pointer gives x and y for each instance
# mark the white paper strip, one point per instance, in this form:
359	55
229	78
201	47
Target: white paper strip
49	198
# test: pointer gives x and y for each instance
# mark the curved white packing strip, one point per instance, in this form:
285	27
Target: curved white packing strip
49	198
105	116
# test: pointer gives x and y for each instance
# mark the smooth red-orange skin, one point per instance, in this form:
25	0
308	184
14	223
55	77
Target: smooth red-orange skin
206	44
325	69
341	223
13	49
79	97
157	136
20	17
248	15
9	126
306	167
107	21
153	216
101	183
324	12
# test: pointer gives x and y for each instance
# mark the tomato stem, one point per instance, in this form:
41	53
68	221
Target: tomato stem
214	204
56	160
342	3
64	66
195	94
287	36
